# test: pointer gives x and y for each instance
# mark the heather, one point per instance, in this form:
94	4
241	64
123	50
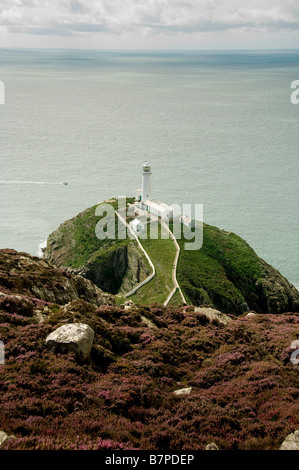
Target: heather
244	387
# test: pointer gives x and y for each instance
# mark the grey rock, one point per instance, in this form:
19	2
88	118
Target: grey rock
4	437
212	446
183	392
250	314
128	304
148	323
75	337
291	442
213	314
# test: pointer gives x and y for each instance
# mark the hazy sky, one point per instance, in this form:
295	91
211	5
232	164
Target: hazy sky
150	24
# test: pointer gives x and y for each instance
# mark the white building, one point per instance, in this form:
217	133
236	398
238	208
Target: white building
146	182
160	209
137	225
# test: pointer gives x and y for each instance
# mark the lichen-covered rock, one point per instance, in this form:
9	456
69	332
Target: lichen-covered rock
74	337
182	392
212	446
291	442
4	437
213	314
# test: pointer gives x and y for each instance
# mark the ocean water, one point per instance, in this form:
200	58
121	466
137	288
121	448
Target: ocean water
218	128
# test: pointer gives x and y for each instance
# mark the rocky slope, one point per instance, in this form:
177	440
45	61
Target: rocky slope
156	378
27	277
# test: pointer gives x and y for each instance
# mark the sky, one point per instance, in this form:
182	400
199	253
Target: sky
150	24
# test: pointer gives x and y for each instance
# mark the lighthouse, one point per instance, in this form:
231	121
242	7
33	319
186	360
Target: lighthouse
146	182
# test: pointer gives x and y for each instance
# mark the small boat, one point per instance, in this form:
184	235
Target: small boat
65	183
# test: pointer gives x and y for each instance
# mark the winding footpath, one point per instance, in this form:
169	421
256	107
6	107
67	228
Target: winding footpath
150	277
174	268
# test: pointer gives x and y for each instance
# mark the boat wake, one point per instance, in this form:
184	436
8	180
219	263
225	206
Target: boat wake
30	182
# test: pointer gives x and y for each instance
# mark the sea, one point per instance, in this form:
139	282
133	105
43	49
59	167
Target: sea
217	127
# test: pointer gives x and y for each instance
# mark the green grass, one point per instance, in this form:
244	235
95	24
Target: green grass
80	237
162	253
176	299
222	272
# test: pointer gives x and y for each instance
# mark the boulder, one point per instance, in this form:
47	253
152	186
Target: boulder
75	337
213	314
183	392
148	323
291	442
4	437
128	304
212	446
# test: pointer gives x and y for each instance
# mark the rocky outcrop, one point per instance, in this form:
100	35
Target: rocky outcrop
213	314
291	442
276	293
31	277
114	266
74	337
137	270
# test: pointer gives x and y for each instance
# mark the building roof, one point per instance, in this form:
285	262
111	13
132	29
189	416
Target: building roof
157	205
135	222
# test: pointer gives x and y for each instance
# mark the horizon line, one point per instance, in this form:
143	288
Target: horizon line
151	50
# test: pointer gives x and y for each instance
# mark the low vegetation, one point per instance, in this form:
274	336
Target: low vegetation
244	387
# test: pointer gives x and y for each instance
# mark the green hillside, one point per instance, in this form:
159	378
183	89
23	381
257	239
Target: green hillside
225	273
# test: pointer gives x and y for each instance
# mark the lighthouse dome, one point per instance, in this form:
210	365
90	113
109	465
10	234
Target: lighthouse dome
146	167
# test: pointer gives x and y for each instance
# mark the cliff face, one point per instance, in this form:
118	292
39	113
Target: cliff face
276	293
118	270
32	277
114	266
228	274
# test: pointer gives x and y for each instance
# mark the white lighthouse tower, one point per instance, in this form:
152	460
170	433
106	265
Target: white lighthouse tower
146	182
